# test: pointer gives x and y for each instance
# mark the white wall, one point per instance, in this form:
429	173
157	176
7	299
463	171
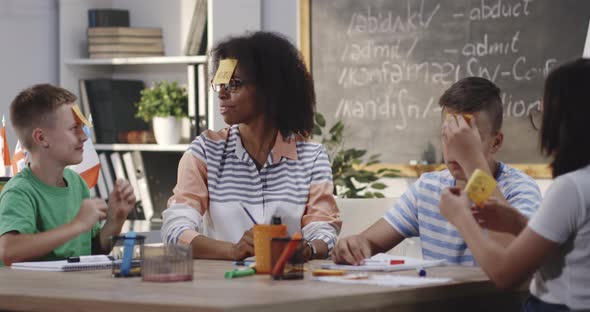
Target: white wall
29	53
249	15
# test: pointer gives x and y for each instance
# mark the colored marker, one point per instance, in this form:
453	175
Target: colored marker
383	262
243	263
239	273
421	272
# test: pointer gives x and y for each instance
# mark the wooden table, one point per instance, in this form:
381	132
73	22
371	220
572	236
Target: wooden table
209	291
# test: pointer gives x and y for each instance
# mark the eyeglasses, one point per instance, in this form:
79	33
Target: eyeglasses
535	117
231	87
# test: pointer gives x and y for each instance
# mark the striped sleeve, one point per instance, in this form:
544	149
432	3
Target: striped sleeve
321	219
190	199
523	194
403	216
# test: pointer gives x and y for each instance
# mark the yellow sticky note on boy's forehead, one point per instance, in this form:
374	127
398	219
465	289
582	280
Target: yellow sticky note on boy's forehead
467	117
480	186
79	116
225	71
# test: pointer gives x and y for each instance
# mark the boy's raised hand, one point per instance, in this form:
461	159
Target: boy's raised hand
461	138
91	211
121	201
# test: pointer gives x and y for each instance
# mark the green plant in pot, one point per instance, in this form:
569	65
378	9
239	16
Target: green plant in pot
165	104
351	177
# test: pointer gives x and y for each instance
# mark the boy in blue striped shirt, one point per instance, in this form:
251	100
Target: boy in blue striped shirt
475	102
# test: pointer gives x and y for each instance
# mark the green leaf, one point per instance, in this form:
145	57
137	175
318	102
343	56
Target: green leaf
370	163
337	128
358	153
390	175
378	186
317	130
320	120
378	195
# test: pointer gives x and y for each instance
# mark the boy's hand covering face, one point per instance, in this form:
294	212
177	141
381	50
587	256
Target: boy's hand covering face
461	137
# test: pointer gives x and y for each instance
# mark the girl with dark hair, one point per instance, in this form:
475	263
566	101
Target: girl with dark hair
555	245
262	166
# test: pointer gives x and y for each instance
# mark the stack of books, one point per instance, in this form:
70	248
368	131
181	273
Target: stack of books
108	42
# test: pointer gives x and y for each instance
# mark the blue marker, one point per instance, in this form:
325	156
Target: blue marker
127	252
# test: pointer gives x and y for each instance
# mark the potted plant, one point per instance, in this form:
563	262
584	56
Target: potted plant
165	104
352	178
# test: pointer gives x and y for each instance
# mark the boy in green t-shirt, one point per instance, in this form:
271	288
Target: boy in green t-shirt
45	210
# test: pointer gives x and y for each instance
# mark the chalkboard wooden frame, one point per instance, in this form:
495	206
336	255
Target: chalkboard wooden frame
537	171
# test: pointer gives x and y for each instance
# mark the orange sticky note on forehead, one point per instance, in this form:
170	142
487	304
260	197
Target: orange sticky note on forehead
80	117
225	71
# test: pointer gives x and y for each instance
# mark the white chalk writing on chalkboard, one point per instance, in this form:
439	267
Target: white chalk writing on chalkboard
381	66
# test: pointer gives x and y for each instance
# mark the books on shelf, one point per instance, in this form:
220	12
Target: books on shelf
124	31
142	185
127	47
124	40
105	169
112	104
196	42
108	18
108	42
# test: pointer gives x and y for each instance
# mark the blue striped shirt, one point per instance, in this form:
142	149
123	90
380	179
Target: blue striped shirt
416	213
217	177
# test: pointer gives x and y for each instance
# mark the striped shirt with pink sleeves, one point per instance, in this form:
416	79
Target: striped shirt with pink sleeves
216	177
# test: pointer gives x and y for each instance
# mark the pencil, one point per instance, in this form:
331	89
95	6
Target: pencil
249	215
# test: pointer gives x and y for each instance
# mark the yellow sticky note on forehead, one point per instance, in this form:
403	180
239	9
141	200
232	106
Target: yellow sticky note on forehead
225	71
79	116
467	117
480	187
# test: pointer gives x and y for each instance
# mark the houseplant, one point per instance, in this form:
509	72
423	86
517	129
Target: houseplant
165	104
351	177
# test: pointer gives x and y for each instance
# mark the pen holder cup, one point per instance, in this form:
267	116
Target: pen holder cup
133	246
167	263
294	266
263	233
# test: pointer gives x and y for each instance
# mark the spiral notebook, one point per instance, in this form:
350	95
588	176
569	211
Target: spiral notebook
63	265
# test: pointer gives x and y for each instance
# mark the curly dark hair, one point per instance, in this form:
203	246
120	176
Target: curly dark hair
284	87
566	107
475	94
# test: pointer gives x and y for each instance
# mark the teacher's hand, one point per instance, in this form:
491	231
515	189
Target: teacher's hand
244	248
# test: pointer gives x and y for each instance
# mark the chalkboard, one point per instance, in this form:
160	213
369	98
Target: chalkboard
381	66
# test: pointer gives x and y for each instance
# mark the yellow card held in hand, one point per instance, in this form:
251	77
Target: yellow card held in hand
79	116
225	71
480	187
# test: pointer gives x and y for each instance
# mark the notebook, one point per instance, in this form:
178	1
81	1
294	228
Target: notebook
408	264
97	263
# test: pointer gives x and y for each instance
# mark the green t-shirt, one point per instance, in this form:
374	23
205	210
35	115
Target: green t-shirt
29	206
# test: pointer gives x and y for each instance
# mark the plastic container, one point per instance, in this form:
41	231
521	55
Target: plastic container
294	267
263	233
167	263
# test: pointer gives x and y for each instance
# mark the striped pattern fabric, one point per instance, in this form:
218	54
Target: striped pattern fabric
217	180
416	213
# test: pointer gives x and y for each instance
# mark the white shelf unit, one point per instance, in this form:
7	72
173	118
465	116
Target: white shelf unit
198	59
224	17
142	147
